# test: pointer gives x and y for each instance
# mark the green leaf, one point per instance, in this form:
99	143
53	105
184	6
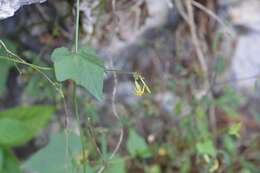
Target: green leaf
206	147
245	171
234	129
229	144
13	132
52	158
153	169
1	159
136	145
84	67
18	125
229	101
10	163
117	165
200	112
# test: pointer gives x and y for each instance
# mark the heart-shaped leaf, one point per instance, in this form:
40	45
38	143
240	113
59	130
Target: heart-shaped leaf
84	67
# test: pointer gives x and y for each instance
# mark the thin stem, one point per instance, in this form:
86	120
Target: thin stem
21	61
115	113
35	67
26	63
213	15
77	28
76	110
75	100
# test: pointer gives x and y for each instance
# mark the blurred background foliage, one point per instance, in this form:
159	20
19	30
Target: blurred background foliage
181	127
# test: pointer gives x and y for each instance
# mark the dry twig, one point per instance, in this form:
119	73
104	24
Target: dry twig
189	18
115	113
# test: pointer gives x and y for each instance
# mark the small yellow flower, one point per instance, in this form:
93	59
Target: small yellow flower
140	85
139	91
144	85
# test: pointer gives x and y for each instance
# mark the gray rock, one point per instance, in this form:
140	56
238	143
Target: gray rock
245	65
167	101
9	7
246	14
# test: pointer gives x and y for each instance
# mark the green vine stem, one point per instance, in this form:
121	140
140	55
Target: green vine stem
26	63
75	100
21	61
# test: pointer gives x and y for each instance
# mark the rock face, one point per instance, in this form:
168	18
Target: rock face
245	65
9	7
246	13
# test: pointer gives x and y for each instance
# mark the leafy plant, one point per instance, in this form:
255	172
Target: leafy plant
53	158
136	145
17	126
206	147
117	165
184	140
8	162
